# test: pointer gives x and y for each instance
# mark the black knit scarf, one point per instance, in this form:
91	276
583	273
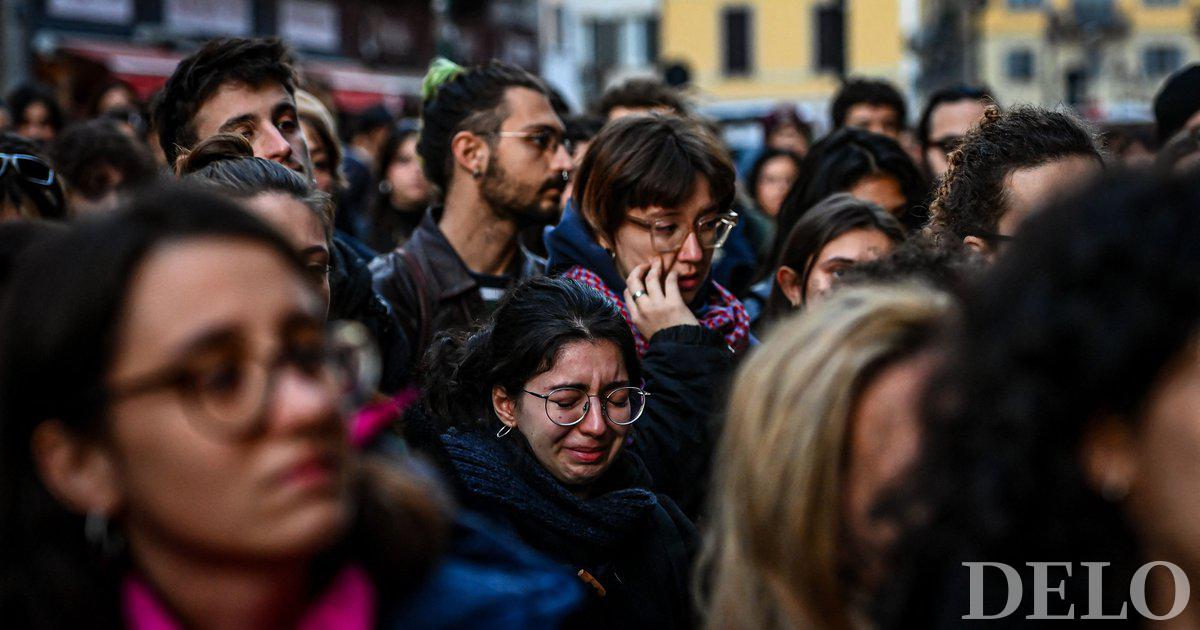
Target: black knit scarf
503	476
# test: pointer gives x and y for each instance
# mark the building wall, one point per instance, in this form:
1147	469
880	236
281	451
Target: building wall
1119	85
783	44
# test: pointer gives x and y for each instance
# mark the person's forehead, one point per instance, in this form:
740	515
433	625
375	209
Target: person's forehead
955	118
529	108
237	98
871	109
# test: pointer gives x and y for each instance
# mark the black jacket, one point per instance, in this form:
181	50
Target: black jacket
686	368
633	549
429	286
352	298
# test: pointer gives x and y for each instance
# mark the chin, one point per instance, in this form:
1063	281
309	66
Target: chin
307	531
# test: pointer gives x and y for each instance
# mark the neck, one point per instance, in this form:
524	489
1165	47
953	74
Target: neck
486	242
208	593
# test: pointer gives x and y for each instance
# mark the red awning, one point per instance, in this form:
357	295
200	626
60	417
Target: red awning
144	68
353	86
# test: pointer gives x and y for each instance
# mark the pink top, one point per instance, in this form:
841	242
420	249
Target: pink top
348	604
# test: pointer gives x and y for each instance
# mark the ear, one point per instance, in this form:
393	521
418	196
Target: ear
79	473
1107	458
789	282
979	245
505	407
471	152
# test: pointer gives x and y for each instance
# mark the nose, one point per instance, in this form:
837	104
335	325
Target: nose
593	423
562	160
301	403
691	250
273	146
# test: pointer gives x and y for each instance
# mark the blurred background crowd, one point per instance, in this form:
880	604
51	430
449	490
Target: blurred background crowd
627	314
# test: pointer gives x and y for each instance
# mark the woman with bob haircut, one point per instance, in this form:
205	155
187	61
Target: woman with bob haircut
864	164
821	420
173	452
539	401
652	203
837	233
1068	429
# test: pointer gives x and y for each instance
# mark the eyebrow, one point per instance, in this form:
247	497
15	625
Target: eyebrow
583	386
315	249
283	107
235	121
839	260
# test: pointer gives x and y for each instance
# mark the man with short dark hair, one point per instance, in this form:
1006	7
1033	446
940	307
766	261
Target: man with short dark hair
491	141
871	104
948	115
1177	104
641	95
242	86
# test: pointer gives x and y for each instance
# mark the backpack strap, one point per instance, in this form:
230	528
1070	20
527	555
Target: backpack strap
416	272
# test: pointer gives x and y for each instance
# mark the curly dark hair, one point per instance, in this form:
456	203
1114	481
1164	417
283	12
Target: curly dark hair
860	91
971	199
254	62
639	93
1064	331
86	154
919	260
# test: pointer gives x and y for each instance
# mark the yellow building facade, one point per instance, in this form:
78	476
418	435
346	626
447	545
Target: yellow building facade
782	40
1106	58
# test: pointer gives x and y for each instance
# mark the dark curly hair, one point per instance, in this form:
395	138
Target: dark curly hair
971	199
1064	331
87	153
465	99
839	161
520	340
254	62
919	260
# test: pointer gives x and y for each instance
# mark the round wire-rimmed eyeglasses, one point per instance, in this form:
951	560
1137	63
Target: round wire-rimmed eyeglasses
568	406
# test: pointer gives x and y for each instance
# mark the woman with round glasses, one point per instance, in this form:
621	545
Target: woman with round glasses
540	401
651	207
173	454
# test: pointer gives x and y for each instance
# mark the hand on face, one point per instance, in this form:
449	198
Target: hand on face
655	302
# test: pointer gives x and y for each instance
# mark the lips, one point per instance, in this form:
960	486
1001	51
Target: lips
315	471
689	282
586	455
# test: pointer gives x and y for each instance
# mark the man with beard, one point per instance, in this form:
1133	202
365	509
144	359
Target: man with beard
491	142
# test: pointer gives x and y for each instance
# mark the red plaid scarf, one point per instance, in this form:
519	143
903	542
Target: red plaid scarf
725	313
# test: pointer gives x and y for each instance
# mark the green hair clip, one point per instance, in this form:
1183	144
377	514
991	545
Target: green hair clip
440	71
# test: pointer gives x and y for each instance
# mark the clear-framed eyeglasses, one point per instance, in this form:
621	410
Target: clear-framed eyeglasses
568	406
667	235
226	392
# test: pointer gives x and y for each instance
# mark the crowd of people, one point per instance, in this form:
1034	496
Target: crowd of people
509	365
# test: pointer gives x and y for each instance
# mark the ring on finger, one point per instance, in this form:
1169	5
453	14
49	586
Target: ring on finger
639	293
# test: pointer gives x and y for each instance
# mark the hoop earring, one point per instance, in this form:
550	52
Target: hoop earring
505	430
99	535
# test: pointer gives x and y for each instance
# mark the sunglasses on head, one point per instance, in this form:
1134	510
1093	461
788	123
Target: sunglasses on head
30	167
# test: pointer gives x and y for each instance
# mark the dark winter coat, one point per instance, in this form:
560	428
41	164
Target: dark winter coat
686	369
633	549
352	298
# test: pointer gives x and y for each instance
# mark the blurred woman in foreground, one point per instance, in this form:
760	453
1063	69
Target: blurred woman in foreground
173	453
822	420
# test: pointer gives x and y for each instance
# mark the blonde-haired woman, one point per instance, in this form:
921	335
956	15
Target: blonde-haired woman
821	419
